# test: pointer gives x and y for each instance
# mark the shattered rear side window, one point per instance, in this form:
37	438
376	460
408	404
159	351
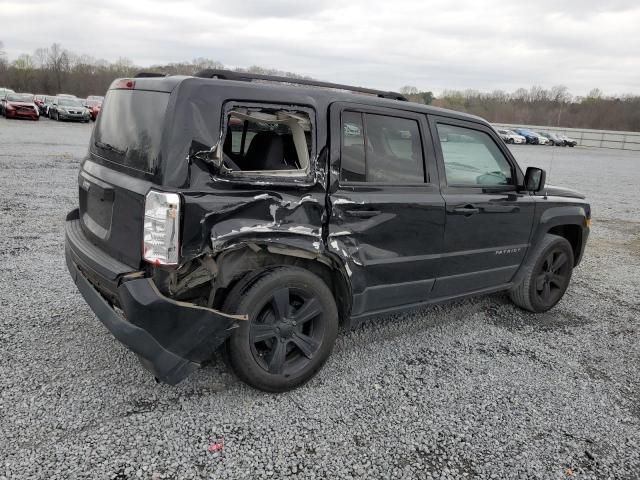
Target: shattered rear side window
267	139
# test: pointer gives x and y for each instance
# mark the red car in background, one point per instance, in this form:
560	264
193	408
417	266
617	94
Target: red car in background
21	105
94	107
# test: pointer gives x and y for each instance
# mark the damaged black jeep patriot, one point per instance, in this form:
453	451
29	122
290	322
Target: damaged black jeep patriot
244	212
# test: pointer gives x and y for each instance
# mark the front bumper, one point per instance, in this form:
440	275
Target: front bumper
78	117
22	114
171	338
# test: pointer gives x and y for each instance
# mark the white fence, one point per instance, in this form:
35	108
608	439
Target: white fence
589	138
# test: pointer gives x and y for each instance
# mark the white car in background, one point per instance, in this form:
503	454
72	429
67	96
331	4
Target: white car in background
510	136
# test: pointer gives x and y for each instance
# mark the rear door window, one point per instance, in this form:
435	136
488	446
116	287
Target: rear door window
381	149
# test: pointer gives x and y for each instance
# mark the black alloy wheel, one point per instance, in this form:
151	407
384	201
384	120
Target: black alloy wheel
292	326
287	332
552	277
545	275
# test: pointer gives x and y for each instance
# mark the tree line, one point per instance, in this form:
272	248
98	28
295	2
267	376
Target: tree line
57	70
554	107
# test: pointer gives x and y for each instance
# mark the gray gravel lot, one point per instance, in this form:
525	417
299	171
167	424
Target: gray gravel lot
475	389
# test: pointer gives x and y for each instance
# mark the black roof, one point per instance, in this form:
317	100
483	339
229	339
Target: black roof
250	77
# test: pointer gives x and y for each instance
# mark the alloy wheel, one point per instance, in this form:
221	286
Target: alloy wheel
288	331
552	278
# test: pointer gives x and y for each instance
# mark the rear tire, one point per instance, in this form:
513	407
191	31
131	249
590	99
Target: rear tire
546	275
292	327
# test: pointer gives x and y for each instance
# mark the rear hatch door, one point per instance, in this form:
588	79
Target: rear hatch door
123	160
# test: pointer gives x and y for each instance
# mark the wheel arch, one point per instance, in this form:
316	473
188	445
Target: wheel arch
247	261
567	221
573	234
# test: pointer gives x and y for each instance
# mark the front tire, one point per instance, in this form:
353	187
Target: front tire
292	327
546	275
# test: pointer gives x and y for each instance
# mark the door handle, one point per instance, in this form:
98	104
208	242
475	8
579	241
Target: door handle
363	213
467	210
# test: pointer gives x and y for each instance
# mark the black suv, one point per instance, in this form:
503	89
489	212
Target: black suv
245	212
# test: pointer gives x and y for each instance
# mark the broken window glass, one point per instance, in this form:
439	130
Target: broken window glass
267	139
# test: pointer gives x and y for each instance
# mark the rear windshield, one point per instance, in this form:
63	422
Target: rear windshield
129	128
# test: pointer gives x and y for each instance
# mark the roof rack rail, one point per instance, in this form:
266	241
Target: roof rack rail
249	77
150	75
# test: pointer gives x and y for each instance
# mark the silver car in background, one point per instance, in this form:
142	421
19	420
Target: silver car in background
509	136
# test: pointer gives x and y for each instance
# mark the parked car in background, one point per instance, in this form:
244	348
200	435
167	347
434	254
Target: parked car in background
65	95
569	141
38	99
509	136
21	105
3	95
97	98
94	105
532	137
68	108
47	102
554	139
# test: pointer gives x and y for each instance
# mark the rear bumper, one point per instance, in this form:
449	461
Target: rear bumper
171	338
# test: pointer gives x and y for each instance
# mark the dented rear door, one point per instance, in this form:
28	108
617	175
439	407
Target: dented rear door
387	226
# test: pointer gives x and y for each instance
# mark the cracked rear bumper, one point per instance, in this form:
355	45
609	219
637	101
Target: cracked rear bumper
171	338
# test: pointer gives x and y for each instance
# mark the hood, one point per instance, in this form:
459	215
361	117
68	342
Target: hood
561	192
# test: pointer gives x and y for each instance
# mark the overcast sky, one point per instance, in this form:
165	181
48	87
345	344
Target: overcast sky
434	45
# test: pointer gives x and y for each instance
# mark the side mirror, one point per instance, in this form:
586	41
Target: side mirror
534	179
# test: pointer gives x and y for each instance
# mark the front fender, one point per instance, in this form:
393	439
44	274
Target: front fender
550	216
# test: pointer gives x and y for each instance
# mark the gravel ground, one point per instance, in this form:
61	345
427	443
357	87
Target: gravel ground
475	389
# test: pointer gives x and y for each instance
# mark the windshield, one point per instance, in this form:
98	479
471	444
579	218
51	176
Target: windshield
93	103
129	129
69	102
20	97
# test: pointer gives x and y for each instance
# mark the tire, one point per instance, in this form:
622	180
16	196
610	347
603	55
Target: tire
546	275
510	140
278	352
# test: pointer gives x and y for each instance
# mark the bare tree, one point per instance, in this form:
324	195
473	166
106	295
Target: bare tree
3	57
409	90
58	63
595	94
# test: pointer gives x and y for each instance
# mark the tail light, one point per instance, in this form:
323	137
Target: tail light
161	235
125	83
